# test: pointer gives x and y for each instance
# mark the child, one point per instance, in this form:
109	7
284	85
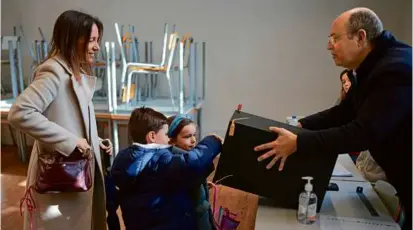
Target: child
112	203
154	178
182	131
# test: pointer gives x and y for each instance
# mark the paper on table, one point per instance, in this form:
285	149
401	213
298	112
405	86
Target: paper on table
328	222
340	171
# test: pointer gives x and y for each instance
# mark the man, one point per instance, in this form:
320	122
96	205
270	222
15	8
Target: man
377	111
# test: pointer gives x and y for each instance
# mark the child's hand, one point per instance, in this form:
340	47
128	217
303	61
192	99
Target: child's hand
210	184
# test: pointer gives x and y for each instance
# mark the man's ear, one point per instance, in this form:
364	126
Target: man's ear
150	137
362	37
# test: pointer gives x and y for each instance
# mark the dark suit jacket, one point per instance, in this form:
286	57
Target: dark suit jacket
376	115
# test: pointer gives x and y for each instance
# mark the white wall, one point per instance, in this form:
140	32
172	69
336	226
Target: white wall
269	55
407	24
9	16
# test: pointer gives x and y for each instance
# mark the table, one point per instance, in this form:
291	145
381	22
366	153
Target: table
345	161
117	118
344	203
20	138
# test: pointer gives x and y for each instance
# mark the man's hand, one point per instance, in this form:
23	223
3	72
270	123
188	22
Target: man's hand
281	148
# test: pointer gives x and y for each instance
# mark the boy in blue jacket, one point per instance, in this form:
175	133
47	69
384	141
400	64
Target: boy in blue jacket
155	179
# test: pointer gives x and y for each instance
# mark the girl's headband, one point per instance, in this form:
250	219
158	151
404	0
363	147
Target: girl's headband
175	122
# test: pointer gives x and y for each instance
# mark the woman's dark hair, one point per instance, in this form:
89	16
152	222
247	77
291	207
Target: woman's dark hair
344	72
351	78
71	34
342	92
142	121
184	122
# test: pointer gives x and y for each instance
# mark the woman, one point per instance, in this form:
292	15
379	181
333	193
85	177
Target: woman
346	78
56	110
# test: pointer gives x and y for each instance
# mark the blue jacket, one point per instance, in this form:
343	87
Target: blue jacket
203	209
154	183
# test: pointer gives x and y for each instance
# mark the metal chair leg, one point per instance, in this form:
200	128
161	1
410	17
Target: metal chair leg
128	88
168	77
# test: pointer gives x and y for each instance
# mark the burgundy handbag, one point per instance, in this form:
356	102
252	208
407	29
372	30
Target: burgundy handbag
60	174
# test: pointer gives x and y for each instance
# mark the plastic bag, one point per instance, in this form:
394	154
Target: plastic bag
368	167
224	219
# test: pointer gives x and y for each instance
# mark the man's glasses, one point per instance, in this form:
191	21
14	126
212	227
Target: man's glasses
334	38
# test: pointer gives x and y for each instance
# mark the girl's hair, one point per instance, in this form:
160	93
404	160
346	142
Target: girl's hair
71	35
177	123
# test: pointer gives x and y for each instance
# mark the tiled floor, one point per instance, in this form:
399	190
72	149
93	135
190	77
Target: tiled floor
13	174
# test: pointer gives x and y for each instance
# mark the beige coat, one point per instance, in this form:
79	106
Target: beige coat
54	111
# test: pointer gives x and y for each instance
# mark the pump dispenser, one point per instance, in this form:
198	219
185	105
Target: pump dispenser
307	204
308	187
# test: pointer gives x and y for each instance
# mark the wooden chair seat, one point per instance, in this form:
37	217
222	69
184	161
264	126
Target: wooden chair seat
102	63
148	68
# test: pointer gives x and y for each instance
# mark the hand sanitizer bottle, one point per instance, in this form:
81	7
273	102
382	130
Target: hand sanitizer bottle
293	120
307	204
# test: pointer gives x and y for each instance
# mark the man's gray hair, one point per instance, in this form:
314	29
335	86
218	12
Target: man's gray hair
366	20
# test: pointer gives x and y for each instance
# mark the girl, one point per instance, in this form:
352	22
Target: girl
182	134
56	110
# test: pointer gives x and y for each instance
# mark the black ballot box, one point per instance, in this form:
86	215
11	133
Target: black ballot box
239	168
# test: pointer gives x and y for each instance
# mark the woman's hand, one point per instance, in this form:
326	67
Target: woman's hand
84	148
106	145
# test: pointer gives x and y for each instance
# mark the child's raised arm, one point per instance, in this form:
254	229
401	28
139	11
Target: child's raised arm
185	169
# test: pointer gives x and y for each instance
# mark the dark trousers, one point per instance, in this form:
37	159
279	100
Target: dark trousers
407	225
112	203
